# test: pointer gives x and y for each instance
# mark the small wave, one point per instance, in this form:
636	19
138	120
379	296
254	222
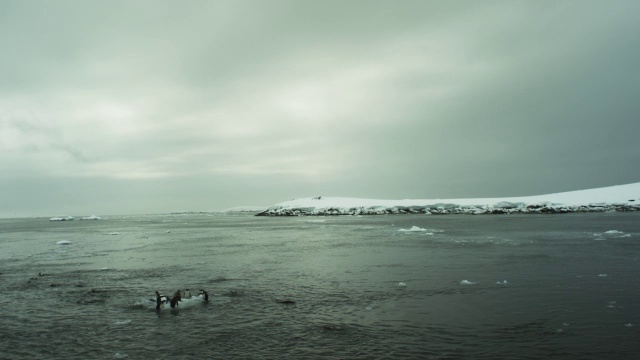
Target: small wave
64	242
123	322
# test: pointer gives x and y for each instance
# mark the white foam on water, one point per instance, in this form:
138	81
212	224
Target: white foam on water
401	284
64	242
123	322
503	282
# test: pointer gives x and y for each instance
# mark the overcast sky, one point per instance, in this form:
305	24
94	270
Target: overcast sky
118	107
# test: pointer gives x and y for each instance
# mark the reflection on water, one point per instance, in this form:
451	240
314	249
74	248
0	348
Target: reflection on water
331	287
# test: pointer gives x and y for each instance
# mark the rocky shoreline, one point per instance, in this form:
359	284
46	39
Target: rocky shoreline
445	209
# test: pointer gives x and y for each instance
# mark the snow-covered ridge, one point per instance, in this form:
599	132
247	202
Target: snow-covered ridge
613	198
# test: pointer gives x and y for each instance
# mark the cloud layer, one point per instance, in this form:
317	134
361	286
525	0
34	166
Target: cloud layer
224	103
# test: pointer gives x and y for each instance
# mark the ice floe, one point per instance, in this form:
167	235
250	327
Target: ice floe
92	217
66	218
416	229
467	282
611	234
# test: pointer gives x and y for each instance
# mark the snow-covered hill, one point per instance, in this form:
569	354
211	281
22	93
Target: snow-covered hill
613	198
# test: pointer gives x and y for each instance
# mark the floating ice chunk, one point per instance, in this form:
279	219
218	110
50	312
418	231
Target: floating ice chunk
610	232
416	229
503	282
413	229
467	282
92	217
64	242
67	218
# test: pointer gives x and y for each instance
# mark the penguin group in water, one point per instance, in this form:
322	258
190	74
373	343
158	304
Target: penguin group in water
177	297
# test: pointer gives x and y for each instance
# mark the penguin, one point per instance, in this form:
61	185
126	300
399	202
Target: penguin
160	300
206	295
186	294
175	299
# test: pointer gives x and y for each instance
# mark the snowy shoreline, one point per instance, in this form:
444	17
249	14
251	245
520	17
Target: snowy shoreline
613	198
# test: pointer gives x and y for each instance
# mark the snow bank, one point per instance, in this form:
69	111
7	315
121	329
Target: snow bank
613	198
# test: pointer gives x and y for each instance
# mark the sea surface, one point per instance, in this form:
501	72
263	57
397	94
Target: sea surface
344	287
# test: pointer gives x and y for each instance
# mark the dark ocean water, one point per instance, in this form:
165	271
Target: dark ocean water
457	287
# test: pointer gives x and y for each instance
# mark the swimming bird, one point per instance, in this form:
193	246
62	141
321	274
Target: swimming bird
206	295
175	299
160	300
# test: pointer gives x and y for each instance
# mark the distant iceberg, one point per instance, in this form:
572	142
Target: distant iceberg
92	217
66	218
613	198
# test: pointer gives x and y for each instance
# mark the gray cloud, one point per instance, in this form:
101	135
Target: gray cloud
273	100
